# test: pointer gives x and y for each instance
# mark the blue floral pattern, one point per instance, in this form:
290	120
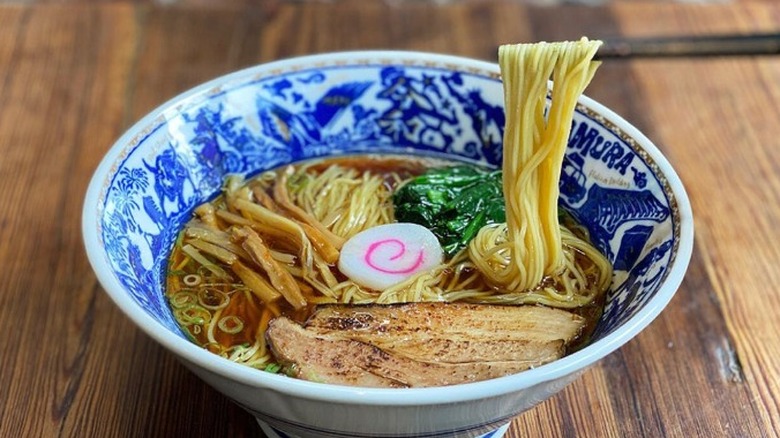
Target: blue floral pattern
259	122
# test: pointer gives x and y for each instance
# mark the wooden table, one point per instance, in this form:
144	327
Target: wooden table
74	75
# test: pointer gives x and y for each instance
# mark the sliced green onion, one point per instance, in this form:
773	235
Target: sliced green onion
191	280
192	314
182	299
272	367
231	324
213	299
234	353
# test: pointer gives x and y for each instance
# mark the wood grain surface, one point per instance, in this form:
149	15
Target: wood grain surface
74	75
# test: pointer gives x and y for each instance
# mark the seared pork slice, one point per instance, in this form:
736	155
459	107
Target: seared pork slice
330	358
421	344
454	332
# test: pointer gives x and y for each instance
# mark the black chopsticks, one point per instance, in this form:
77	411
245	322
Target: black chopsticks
690	46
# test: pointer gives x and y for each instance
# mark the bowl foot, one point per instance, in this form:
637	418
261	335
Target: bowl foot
271	432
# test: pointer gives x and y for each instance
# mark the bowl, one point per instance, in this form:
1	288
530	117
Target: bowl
614	181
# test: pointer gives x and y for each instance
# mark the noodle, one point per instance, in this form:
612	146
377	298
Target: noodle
531	252
342	199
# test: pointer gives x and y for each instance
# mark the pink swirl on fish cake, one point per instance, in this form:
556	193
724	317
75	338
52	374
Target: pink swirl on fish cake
368	257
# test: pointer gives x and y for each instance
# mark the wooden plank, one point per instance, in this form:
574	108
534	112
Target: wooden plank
73	76
62	107
152	394
181	48
76	367
714	119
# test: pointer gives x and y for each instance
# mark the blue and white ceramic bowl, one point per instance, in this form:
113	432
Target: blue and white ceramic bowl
614	180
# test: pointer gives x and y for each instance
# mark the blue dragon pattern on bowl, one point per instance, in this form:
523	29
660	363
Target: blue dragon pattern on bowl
255	123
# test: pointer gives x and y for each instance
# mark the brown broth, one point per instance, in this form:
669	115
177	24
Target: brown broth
244	305
194	304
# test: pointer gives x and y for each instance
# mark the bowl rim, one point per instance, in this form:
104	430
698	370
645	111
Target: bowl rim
192	354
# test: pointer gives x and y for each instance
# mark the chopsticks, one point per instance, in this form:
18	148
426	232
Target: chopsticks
690	46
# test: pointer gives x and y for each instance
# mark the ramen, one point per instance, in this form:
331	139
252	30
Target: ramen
349	260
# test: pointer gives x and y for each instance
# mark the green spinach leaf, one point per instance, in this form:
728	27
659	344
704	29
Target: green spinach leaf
453	202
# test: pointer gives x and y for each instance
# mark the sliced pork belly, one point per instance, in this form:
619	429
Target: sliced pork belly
455	332
333	359
420	344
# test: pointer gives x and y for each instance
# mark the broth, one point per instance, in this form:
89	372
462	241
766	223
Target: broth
221	313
